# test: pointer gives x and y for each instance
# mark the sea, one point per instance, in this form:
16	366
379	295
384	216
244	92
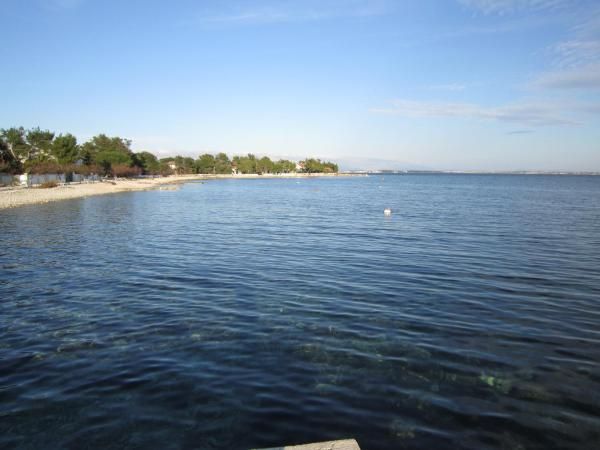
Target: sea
242	314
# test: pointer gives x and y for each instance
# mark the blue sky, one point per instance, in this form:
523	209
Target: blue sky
444	84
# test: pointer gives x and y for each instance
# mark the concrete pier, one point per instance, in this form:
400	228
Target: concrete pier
346	444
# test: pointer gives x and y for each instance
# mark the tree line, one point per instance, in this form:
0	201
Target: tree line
43	151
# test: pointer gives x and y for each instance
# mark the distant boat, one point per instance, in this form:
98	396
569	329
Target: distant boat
387	212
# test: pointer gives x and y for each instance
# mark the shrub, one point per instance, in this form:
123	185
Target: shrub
43	168
85	170
48	184
11	168
125	171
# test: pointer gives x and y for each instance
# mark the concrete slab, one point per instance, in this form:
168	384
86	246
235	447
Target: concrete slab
345	444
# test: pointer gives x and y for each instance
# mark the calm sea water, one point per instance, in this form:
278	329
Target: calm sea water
253	313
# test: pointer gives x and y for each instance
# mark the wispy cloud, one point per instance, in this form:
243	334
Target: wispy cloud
530	114
258	13
64	4
499	26
246	18
502	7
586	77
573	53
588	27
453	87
516	132
576	60
582	46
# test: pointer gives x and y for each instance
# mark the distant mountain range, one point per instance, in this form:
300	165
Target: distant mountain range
357	164
374	164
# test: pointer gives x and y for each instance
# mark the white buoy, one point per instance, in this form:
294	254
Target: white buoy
387	212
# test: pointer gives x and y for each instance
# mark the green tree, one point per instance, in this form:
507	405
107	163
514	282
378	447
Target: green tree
113	157
165	166
14	138
85	155
148	163
42	151
8	163
103	149
246	164
205	164
107	152
286	166
312	165
65	149
329	167
184	164
222	164
264	165
40	145
106	168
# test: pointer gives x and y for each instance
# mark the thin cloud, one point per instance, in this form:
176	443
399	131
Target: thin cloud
575	53
502	7
586	77
587	108
589	23
247	18
64	4
308	11
452	87
530	114
520	132
514	24
582	47
574	62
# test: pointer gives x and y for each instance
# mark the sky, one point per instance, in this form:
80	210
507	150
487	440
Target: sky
436	84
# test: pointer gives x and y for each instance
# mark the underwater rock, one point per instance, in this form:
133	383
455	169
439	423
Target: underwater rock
500	384
402	430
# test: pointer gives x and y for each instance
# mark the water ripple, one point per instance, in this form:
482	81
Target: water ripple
253	313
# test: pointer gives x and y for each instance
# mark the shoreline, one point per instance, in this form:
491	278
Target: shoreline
21	196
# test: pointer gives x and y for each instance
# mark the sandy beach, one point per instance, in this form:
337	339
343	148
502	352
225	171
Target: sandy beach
19	196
